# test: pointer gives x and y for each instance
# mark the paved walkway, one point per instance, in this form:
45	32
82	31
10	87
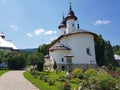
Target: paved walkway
14	80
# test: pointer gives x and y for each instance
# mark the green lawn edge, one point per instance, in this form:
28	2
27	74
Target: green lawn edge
2	71
38	83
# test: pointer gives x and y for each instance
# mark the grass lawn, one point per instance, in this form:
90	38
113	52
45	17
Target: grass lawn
2	71
42	85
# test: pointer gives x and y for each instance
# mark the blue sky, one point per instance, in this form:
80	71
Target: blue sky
30	23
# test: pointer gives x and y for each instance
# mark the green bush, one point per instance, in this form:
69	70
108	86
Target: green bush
77	71
65	86
80	76
102	81
106	81
58	71
118	70
62	79
41	76
75	81
51	82
90	72
45	78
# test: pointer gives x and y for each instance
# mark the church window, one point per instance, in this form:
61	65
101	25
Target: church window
64	32
62	59
88	51
73	25
63	68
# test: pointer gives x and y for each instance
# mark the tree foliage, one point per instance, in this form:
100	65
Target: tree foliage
15	61
104	53
99	49
44	48
116	49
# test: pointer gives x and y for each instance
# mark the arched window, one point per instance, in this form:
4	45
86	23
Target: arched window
62	59
64	32
88	51
73	24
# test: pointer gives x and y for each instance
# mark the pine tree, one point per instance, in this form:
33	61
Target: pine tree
99	49
55	65
109	56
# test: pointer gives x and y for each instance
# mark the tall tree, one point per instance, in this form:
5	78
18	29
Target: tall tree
33	59
109	56
99	49
44	49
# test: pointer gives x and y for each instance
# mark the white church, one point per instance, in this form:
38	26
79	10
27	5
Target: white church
75	47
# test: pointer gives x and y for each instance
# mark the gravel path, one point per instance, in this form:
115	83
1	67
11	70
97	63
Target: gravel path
14	80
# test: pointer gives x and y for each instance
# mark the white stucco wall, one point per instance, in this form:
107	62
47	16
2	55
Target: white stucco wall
70	26
78	44
58	55
62	31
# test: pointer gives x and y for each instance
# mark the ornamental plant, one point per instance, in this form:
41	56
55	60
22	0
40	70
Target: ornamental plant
91	72
77	72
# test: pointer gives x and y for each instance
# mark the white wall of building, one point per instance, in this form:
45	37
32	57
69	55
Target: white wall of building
71	25
78	43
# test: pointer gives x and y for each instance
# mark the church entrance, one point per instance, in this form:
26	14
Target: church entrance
63	68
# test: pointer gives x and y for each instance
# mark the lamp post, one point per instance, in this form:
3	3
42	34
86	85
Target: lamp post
69	61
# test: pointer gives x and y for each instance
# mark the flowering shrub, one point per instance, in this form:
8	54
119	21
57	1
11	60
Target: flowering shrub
75	81
91	72
102	81
65	86
77	72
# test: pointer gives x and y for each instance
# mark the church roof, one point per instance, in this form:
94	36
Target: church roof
79	31
63	23
6	44
60	47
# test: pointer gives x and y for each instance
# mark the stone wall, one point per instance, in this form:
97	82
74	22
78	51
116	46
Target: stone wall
72	66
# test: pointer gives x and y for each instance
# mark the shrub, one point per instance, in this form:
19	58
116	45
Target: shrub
80	76
75	81
51	82
58	71
106	81
77	71
65	86
90	72
41	76
34	73
118	70
102	81
45	78
62	78
55	65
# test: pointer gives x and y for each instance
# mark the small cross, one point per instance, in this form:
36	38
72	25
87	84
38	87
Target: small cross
70	5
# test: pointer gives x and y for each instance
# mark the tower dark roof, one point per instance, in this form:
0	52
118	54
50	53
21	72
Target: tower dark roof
71	14
63	24
2	35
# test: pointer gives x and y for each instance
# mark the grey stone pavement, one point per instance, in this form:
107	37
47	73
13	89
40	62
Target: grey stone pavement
14	80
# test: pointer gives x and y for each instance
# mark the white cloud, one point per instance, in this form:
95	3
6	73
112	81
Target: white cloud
39	31
45	32
50	32
13	27
98	22
29	34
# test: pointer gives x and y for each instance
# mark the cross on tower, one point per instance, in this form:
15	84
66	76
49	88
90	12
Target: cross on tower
70	5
